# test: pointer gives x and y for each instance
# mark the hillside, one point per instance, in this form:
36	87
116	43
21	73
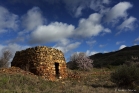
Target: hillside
115	58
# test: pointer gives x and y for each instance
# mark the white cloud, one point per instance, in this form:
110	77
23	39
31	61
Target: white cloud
90	27
17	39
51	33
65	45
135	44
2	30
32	19
75	7
106	1
1	48
136	40
63	42
117	12
79	11
105	51
90	43
7	20
89	53
57	31
122	46
128	24
15	47
101	46
107	30
98	5
72	46
119	42
12	48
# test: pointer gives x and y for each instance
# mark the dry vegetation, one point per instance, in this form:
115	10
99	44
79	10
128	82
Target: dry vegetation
4	59
94	81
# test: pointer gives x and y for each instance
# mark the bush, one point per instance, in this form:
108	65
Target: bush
125	76
133	61
4	60
80	61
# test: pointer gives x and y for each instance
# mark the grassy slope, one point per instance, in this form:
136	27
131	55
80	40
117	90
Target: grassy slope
95	81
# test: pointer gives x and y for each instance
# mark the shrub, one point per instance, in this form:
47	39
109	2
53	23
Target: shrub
125	76
132	61
80	61
4	60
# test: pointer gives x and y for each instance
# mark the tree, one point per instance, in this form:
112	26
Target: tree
80	61
83	62
4	60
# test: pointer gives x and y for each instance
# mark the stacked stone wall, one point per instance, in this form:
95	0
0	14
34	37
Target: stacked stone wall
41	61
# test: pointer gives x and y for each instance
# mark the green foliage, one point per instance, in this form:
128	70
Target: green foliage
125	76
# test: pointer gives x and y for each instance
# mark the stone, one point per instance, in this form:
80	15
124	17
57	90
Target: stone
43	61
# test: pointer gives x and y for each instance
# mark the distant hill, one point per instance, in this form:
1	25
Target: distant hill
115	58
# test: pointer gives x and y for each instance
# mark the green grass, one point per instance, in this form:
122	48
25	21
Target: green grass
95	81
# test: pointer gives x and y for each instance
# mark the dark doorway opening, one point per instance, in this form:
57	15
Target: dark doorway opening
57	69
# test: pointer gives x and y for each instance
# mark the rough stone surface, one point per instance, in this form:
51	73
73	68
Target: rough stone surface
43	61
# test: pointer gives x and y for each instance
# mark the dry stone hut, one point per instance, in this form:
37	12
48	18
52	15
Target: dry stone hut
43	61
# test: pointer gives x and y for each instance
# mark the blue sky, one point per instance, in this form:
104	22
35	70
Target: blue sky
89	26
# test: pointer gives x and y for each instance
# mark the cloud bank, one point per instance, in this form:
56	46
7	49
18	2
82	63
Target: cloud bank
128	24
117	12
66	45
51	33
122	46
8	20
32	19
